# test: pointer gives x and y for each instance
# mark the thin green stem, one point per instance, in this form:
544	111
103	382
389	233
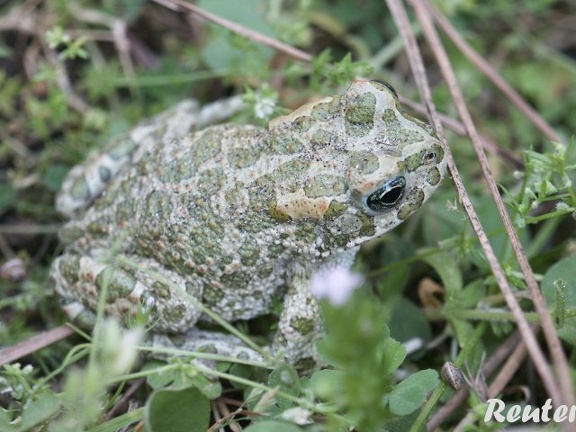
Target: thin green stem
420	422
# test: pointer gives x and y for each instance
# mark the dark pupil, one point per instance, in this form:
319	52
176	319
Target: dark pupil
388	195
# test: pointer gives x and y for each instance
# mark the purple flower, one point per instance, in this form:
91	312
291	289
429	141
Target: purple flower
335	284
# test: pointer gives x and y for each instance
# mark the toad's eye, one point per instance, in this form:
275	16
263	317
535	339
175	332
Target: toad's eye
388	195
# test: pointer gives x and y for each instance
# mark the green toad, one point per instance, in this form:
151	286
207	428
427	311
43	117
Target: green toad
240	217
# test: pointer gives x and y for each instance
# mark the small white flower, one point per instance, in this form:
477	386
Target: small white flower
128	350
297	415
119	346
413	345
562	206
149	304
264	107
335	284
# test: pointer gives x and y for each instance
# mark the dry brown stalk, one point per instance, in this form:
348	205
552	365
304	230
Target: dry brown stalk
179	5
402	22
33	344
564	391
491	74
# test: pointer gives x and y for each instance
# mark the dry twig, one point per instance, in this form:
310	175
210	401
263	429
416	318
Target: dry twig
561	392
33	344
179	5
401	19
491	74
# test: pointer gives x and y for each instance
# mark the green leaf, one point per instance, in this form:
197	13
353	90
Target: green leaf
464	330
276	426
5	421
39	411
212	389
564	271
390	287
158	379
448	270
411	393
409	322
8	197
327	383
559	290
252	14
184	410
472	294
228	51
394	354
286	379
54	176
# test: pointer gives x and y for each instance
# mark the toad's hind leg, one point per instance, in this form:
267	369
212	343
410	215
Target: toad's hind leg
80	280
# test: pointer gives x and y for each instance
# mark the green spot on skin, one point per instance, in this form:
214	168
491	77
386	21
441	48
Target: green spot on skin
212	295
325	111
414	161
265	271
69	266
412	203
121	148
243	157
287	177
306	233
120	283
249	252
175	313
208	348
439	153
367	229
325	185
281	143
70	232
389	118
80	190
348	223
206	147
361	109
301	124
161	290
278	215
275	250
97	228
334	210
236	279
157	203
303	326
360	114
364	162
323	138
433	176
337	241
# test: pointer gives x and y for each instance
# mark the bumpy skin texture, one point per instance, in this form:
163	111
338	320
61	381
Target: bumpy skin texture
241	216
